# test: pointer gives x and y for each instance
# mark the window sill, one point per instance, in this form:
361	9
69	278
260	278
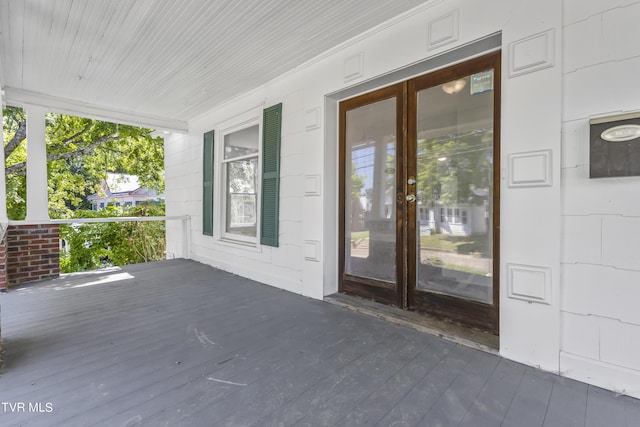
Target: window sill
239	244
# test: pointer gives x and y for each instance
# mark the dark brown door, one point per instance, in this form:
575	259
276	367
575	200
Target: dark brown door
453	125
372	145
419	192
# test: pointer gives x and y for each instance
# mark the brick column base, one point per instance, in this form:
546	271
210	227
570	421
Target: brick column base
3	263
32	252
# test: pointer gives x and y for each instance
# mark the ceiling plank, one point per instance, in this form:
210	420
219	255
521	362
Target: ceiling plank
171	58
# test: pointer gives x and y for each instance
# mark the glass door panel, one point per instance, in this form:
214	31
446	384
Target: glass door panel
453	162
454	188
370	191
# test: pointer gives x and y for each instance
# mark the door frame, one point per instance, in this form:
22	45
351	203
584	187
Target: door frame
403	294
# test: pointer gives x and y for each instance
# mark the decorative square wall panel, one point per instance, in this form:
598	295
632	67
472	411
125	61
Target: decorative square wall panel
443	30
312	118
532	54
312	185
354	67
312	250
529	283
530	169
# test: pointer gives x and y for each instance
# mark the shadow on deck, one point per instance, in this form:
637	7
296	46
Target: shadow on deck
180	343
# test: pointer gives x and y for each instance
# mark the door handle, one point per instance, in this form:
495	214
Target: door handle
410	198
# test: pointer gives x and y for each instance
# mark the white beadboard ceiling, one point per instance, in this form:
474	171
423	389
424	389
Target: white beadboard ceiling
164	62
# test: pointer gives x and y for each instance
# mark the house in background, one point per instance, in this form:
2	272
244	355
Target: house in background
121	190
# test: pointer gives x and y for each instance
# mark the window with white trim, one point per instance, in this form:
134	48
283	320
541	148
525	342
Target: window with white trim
239	166
454	215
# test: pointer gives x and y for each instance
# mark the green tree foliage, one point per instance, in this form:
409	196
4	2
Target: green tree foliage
450	168
357	183
95	245
80	152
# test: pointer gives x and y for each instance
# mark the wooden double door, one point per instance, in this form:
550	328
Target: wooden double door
419	194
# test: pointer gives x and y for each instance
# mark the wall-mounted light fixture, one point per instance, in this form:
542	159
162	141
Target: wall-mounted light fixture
454	86
614	148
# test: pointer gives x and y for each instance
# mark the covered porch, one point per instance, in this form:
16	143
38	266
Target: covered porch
180	343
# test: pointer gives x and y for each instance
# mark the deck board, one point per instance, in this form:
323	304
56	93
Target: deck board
178	343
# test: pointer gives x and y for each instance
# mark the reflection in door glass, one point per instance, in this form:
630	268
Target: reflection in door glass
454	188
370	179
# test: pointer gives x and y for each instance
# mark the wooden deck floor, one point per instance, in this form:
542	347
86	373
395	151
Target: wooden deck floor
177	343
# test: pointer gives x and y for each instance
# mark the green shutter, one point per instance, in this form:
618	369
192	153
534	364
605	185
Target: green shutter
207	185
271	135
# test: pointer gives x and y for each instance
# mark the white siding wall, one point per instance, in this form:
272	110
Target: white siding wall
601	217
571	239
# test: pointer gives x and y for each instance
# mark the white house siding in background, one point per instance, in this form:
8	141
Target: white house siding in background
461	220
121	190
567	241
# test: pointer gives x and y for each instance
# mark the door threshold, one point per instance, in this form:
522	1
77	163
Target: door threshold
418	321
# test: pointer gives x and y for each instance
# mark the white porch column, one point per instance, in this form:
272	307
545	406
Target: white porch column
37	196
3	186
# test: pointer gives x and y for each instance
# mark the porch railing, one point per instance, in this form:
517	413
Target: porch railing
186	225
30	250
